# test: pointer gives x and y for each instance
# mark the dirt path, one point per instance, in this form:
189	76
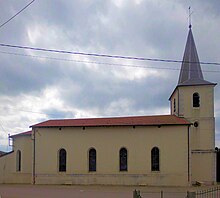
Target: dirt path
60	191
28	191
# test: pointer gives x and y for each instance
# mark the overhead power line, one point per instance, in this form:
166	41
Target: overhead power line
34	112
2	127
16	14
98	63
103	55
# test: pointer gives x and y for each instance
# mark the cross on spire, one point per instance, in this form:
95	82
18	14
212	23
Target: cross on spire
190	19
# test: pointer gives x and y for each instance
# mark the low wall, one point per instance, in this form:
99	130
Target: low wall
112	179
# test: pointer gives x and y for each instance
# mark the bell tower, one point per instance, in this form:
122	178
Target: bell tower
193	99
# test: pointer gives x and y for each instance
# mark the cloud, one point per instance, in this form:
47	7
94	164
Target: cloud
35	89
22	76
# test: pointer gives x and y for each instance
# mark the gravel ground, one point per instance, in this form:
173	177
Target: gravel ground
50	191
55	191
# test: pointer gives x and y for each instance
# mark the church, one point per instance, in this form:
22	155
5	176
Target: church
162	150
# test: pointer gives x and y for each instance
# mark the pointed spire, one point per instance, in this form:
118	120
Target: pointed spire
191	72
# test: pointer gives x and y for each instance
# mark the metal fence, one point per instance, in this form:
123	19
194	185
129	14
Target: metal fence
208	193
159	194
213	192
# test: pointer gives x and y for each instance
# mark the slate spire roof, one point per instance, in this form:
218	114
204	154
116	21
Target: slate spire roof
191	72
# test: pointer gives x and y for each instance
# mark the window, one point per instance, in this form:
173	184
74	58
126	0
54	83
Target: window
174	105
155	156
123	159
62	160
92	160
18	161
196	100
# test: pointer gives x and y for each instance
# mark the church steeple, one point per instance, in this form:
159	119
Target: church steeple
191	72
193	99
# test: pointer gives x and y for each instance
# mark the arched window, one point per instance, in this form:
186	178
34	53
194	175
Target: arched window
18	161
174	105
196	100
123	159
155	159
62	160
92	160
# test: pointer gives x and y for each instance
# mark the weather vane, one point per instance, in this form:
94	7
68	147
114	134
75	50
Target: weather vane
190	13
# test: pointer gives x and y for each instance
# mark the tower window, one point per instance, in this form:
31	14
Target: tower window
92	160
174	105
196	124
196	100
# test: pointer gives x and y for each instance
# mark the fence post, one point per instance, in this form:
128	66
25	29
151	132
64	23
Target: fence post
136	194
161	194
191	194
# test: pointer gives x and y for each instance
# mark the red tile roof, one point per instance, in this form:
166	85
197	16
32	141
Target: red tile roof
2	153
116	121
21	134
5	153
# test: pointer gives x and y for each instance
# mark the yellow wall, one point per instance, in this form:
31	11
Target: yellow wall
202	138
107	141
24	144
183	96
206	108
202	166
8	173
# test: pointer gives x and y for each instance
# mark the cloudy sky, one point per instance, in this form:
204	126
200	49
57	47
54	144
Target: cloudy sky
36	86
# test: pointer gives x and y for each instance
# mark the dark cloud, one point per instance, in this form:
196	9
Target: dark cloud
14	31
21	75
99	91
152	29
54	113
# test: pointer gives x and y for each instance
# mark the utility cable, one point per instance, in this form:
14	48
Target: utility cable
98	63
16	14
103	55
35	112
3	128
